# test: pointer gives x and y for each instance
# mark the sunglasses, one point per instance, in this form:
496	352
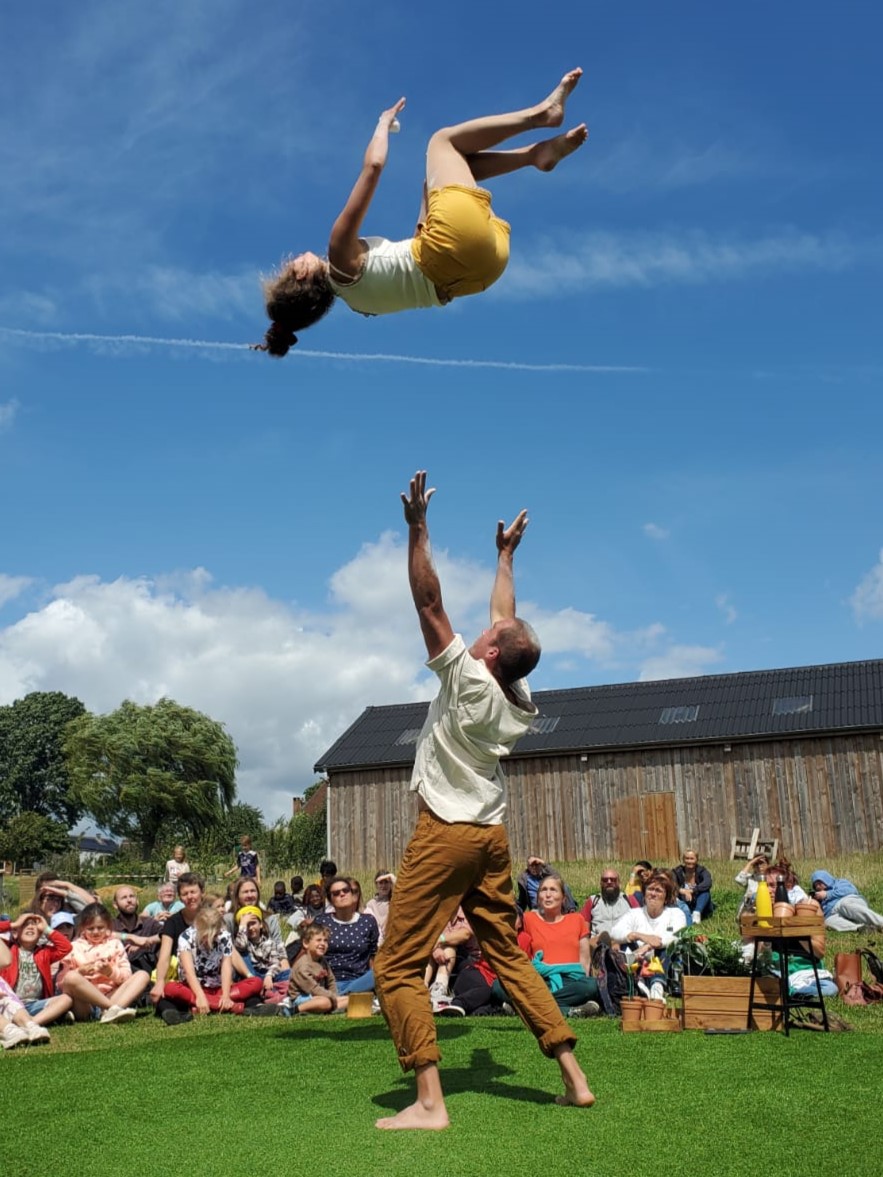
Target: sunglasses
340	891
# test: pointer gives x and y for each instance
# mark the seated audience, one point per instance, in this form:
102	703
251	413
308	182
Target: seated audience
247	893
297	885
312	987
648	930
262	954
677	901
378	904
750	875
694	885
17	1027
601	911
191	892
529	884
356	888
455	947
98	970
165	904
327	873
352	940
205	968
52	895
558	945
139	933
844	908
282	903
638	876
33	951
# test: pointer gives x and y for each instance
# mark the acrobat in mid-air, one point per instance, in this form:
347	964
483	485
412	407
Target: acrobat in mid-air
459	247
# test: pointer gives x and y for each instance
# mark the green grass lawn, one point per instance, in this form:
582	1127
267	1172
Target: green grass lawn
232	1095
238	1096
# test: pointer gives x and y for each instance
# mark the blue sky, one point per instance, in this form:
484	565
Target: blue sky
678	375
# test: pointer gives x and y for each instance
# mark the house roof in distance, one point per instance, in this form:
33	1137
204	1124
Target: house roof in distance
754	704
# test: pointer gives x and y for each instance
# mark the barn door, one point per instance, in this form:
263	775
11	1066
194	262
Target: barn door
645	827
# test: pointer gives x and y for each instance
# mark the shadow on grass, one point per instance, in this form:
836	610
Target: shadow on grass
482	1074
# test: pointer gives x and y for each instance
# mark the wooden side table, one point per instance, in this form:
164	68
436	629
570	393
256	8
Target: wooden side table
786	937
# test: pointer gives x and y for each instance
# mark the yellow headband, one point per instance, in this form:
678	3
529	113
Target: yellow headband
250	909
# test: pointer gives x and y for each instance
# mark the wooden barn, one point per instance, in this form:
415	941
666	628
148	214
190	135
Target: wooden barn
643	770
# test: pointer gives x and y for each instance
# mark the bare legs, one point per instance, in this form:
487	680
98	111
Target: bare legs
456	154
428	1111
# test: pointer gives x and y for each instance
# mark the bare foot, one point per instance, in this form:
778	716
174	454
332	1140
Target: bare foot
417	1116
549	154
551	112
576	1095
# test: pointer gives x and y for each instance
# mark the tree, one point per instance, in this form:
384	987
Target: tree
33	773
29	837
143	767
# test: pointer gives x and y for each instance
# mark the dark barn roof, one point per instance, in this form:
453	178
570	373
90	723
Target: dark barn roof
755	704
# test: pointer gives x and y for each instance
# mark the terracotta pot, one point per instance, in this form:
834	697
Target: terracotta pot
808	907
654	1011
632	1009
783	911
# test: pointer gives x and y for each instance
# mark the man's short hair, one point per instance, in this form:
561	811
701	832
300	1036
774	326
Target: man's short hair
519	650
190	879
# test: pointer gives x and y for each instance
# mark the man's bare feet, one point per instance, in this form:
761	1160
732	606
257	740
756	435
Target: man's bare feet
417	1116
576	1095
549	154
551	112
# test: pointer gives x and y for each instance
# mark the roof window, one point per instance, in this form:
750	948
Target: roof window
792	704
679	714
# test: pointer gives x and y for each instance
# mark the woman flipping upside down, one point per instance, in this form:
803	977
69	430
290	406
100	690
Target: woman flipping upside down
460	247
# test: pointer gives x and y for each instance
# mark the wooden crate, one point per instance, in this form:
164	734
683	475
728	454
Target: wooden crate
721	1003
774	927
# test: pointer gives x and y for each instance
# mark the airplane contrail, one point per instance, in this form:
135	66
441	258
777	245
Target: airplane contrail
87	338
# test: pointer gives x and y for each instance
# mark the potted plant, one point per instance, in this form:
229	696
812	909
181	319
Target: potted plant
715	980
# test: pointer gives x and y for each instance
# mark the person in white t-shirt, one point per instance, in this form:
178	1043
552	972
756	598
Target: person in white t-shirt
460	247
459	852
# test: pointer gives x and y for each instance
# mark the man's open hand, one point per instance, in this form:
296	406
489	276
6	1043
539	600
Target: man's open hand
416	503
508	538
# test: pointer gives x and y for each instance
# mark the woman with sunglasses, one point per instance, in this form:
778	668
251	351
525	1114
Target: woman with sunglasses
352	939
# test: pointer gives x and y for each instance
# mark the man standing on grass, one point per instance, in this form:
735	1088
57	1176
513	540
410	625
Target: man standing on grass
459	852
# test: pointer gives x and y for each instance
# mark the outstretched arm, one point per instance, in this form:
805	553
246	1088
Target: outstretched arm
344	249
425	586
503	592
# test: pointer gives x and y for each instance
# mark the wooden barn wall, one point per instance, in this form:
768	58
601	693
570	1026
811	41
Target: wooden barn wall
818	796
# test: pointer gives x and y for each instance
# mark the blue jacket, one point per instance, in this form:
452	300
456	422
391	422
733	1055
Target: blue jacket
837	889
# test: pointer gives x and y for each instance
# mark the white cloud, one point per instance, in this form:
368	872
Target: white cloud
680	662
654	531
867	600
8	410
599	260
723	603
11	586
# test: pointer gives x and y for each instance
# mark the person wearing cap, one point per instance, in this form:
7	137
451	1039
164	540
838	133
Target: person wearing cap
34	949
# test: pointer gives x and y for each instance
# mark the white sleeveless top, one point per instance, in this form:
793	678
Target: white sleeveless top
390	281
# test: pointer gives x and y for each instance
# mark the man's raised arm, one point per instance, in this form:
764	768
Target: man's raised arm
425	586
503	592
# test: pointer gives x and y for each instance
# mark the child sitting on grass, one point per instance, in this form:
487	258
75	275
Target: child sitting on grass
313	989
205	968
99	975
29	973
16	1025
262	953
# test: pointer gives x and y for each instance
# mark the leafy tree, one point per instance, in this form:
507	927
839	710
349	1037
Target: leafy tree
144	768
30	837
300	842
33	773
